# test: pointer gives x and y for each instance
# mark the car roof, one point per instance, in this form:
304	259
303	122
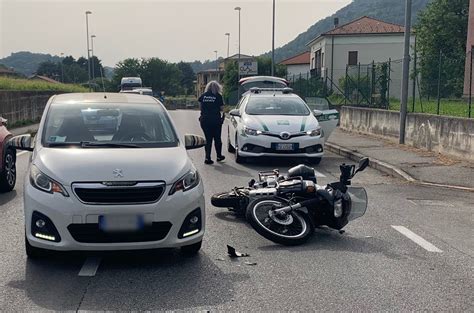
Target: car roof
273	93
103	97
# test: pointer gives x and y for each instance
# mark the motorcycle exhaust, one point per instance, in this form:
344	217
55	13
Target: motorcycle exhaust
302	204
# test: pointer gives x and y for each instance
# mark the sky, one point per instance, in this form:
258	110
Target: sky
173	30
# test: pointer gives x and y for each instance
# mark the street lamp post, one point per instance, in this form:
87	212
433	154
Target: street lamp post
228	43
92	56
405	73
470	83
62	68
273	41
217	66
88	51
238	60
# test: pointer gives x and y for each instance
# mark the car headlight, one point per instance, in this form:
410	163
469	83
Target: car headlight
187	182
252	132
315	132
43	182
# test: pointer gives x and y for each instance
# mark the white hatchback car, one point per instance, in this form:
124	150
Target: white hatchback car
275	122
109	172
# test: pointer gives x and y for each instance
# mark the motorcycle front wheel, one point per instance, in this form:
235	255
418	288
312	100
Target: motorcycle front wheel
289	229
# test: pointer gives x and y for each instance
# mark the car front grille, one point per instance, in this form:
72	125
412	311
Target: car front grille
91	233
116	193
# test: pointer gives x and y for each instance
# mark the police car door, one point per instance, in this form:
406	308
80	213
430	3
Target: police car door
235	121
329	119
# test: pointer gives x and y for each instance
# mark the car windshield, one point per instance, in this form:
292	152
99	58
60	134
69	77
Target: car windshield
274	105
316	103
108	125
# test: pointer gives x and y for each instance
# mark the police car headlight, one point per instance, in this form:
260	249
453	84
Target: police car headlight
187	182
252	132
315	132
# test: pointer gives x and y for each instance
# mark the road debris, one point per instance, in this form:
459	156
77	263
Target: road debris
251	263
235	254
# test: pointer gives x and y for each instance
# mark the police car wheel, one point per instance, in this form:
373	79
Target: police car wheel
230	149
238	159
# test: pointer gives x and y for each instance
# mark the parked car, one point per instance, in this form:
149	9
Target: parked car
276	122
93	187
8	160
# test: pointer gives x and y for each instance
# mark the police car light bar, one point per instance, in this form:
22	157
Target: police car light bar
285	90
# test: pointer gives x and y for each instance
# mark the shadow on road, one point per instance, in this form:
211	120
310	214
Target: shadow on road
331	240
230	170
135	280
228	216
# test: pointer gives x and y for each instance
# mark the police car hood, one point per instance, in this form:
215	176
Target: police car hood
281	123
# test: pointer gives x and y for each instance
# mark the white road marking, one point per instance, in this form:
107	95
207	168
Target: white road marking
318	174
21	153
90	267
417	239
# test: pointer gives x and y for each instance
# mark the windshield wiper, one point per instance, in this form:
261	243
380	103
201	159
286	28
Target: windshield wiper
88	144
63	144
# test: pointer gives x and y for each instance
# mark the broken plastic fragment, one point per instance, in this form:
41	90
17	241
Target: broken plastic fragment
251	263
235	254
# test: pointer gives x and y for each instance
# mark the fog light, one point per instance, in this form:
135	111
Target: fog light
194	220
40	223
338	208
190	233
245	148
319	149
45	237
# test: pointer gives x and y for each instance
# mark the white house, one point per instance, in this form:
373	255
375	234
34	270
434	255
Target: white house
297	65
361	41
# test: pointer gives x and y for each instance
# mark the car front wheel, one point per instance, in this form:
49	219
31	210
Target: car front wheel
230	148
238	159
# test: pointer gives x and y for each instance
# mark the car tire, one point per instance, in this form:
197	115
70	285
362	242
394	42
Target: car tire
238	159
8	174
191	250
230	149
33	252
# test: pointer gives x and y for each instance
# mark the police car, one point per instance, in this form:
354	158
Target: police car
278	123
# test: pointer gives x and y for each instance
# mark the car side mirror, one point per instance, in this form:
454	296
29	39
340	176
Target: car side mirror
21	142
363	163
3	121
192	142
234	112
318	113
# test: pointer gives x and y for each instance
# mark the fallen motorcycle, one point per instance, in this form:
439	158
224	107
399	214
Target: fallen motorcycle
285	209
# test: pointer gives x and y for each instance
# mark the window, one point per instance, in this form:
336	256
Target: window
353	58
272	105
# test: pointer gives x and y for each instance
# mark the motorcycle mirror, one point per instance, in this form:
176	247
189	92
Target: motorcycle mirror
363	163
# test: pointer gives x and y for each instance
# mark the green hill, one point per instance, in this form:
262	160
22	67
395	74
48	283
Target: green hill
27	62
388	10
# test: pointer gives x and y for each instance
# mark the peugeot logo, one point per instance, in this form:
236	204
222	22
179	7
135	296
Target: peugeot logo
118	173
285	135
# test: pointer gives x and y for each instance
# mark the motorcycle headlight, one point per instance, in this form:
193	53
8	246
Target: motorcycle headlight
315	132
187	182
43	182
252	132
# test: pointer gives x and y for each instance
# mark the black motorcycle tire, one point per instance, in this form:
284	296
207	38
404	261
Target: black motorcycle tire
301	217
226	200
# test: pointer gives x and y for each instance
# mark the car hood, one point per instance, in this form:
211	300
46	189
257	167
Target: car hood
280	123
69	165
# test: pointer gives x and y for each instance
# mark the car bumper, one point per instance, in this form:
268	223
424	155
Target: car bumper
258	146
68	215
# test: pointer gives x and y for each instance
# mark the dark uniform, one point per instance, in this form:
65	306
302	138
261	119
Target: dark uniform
211	121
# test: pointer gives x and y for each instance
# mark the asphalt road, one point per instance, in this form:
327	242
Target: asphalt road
373	266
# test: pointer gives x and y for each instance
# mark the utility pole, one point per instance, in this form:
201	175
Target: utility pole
406	72
62	67
470	84
88	51
273	41
238	60
92	56
228	43
217	66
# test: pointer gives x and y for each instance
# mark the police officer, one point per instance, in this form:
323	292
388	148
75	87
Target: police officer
212	118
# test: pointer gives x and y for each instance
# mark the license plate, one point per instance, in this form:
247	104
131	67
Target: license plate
284	147
121	223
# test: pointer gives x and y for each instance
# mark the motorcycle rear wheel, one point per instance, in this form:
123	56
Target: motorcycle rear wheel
295	229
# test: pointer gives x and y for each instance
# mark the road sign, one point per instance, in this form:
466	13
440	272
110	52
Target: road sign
248	68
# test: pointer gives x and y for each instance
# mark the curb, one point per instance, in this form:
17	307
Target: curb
387	168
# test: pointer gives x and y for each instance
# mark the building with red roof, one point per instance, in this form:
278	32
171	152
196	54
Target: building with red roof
297	65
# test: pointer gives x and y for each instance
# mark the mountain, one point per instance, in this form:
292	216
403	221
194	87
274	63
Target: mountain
27	62
387	10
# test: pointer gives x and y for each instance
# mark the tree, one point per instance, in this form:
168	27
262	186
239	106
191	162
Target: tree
49	69
69	60
231	81
442	29
127	68
187	77
265	67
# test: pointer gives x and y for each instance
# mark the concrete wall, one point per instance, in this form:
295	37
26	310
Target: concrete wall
18	106
447	135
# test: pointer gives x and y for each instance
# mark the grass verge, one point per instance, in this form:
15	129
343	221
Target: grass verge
17	84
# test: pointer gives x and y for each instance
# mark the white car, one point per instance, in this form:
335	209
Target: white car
96	187
277	123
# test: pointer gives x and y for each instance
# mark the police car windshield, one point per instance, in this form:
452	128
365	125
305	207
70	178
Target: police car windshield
274	105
